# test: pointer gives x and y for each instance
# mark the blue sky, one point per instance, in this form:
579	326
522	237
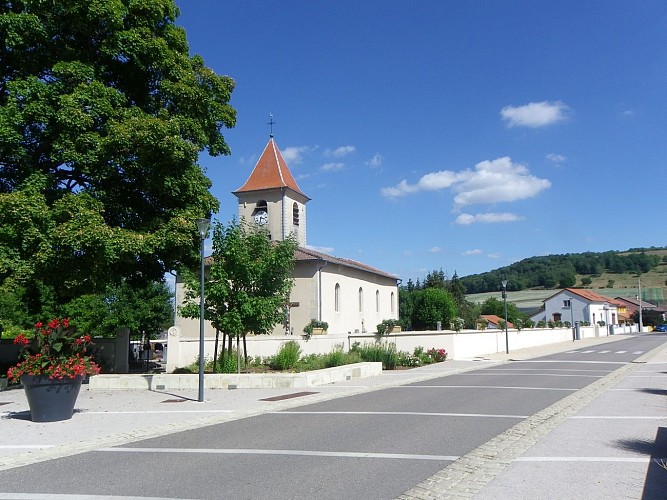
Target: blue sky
457	135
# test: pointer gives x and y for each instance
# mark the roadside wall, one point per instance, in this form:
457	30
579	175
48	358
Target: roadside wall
466	344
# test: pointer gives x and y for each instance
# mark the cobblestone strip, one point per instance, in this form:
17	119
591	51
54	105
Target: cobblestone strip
118	439
469	474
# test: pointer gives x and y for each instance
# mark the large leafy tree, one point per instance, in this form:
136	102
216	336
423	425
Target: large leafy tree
248	282
144	310
433	305
103	113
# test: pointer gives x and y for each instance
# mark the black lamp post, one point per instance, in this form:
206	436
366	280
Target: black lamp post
507	342
202	226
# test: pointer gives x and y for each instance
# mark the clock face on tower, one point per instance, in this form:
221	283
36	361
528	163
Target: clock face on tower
261	218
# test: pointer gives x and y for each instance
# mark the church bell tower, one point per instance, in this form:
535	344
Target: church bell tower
272	199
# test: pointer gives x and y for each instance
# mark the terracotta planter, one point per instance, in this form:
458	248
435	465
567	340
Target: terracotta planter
51	400
319	331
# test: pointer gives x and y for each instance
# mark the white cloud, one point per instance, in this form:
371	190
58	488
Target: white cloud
474	251
497	181
435	250
339	152
486	218
376	161
557	159
491	181
294	154
332	167
327	250
535	114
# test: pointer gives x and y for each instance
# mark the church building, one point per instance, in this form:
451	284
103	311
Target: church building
350	296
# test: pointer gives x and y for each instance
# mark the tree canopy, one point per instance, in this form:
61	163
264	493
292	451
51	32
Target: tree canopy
248	281
103	113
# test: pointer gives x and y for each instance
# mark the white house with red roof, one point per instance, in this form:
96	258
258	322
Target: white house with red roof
576	305
350	296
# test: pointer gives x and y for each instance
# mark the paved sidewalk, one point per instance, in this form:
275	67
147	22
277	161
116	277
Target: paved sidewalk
615	457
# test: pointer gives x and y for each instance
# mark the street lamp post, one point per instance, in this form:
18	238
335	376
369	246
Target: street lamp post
507	342
639	298
202	226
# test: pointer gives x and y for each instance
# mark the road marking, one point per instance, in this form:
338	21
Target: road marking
621	352
397	413
586	352
638	352
151	412
507	372
304	453
48	496
25	446
551	369
604	352
482	387
638	460
568	361
618	417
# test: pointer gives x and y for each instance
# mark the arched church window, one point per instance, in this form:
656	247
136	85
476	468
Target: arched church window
361	299
377	300
337	298
295	214
392	302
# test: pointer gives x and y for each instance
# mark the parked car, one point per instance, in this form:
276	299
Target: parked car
660	328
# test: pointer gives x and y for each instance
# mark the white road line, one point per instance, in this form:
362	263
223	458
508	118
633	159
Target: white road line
638	352
482	387
303	453
618	417
69	496
397	413
621	352
586	352
508	372
25	446
151	412
569	361
597	370
604	352
639	460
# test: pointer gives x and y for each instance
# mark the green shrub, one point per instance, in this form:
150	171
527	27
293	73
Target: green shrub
314	323
386	326
287	357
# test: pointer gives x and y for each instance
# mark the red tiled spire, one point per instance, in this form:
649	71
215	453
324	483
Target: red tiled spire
270	172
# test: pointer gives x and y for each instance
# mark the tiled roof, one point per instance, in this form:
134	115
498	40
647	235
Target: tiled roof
270	172
304	254
635	302
589	295
495	320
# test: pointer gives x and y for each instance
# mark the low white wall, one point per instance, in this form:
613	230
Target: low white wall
172	382
463	345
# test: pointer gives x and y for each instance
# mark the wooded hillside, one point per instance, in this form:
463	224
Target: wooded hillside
568	270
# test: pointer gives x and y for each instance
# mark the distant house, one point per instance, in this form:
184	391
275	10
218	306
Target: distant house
492	321
632	306
572	305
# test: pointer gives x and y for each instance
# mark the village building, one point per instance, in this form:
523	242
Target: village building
574	305
352	297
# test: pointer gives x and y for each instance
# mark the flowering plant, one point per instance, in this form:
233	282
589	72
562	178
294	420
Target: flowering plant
55	351
437	355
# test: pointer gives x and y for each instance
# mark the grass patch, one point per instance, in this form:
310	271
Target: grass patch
290	359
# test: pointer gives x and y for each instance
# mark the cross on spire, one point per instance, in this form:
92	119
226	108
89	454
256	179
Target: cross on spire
271	123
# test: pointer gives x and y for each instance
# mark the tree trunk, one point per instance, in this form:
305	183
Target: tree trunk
215	349
245	351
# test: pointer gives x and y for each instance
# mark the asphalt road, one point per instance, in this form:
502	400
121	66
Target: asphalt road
375	445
